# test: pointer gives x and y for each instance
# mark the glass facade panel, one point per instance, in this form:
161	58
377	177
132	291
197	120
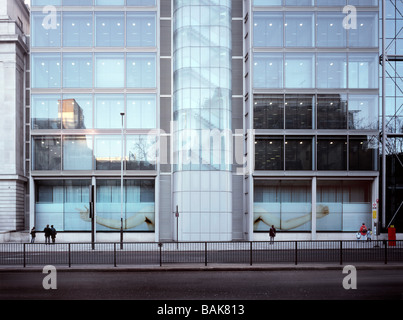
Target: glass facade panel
268	111
363	112
366	33
141	70
363	70
107	152
46	153
332	153
110	29
78	2
109	70
141	2
141	111
46	71
284	204
269	153
107	111
45	113
77	70
329	29
299	70
267	29
363	153
299	30
45	30
258	3
77	153
141	152
299	111
332	111
109	2
298	153
77	29
331	70
141	29
78	113
268	70
139	205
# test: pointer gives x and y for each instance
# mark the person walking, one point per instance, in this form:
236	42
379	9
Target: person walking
47	234
272	234
53	233
363	231
33	235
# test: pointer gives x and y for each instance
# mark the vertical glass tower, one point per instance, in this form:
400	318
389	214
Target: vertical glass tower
202	178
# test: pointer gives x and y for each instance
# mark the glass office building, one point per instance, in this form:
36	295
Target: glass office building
237	114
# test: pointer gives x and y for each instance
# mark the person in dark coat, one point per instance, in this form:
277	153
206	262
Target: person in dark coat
33	235
272	234
53	233
48	233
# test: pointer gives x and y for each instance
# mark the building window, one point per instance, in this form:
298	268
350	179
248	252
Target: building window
268	112
363	70
332	153
268	70
299	30
363	112
107	111
77	153
46	153
267	29
141	152
332	111
45	32
298	153
141	29
363	153
330	32
46	70
141	111
299	70
45	113
77	29
269	154
77	70
109	70
366	33
331	70
110	29
299	111
141	70
77	111
107	152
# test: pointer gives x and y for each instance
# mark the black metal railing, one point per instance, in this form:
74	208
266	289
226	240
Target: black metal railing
153	253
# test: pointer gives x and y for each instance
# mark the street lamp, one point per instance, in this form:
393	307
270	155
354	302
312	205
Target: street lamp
121	184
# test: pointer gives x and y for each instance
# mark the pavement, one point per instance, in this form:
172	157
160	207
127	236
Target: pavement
178	267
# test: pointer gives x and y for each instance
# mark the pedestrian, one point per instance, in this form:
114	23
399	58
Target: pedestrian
33	235
47	234
272	234
53	233
369	234
363	231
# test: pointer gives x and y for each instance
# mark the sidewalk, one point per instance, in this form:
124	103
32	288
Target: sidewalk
178	267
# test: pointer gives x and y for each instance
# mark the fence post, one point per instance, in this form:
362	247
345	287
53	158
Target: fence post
341	252
160	245
25	263
386	251
205	254
114	254
69	255
296	252
251	253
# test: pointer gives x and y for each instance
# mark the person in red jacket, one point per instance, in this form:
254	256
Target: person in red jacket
363	231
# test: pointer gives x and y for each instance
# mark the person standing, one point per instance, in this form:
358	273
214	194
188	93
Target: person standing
272	234
53	233
47	234
33	235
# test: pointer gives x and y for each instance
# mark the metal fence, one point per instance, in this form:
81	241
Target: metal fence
252	253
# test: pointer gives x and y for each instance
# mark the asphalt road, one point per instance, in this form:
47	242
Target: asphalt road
202	285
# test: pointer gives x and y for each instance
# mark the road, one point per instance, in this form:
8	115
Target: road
202	285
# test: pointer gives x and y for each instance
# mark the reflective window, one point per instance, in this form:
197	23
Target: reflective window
45	111
46	70
267	29
268	70
77	70
77	111
267	2
46	153
363	3
77	153
268	112
329	29
141	29
141	70
332	153
331	70
107	111
299	2
77	29
109	2
46	2
299	111
299	70
298	153
366	33
109	70
110	29
299	30
269	153
107	152
141	111
141	152
45	30
78	2
138	3
332	111
363	112
362	153
363	70
330	3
